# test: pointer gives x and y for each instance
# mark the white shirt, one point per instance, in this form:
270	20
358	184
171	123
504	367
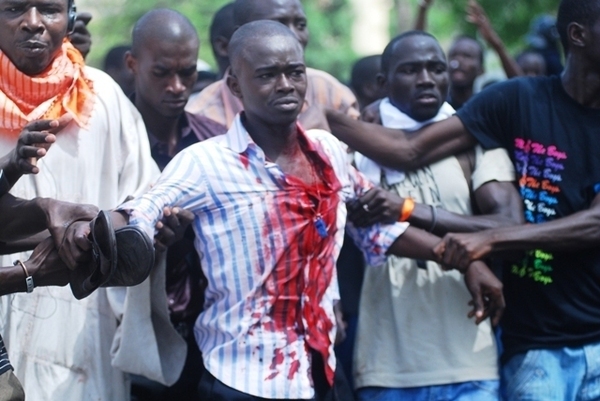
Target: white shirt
271	275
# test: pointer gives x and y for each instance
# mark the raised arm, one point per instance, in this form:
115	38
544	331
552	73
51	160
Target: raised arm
395	148
477	16
421	21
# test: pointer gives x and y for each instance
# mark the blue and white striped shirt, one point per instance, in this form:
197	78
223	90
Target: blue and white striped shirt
270	270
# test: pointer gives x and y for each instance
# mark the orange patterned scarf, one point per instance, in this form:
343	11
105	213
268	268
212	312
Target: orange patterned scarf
62	88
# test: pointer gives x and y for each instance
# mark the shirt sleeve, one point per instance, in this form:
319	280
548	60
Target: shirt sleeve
492	165
489	115
374	241
182	184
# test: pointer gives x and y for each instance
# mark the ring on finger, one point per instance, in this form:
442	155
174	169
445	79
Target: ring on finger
366	208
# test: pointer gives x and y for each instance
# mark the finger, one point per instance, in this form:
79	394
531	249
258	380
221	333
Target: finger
439	248
497	305
173	221
62	123
41	125
167	234
26	167
368	196
84	17
185	216
36	138
477	301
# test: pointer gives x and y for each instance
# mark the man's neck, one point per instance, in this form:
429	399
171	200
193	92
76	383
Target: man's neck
165	129
461	94
274	140
581	81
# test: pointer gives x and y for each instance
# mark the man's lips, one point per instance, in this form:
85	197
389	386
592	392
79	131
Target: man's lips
32	48
286	103
427	98
32	44
175	102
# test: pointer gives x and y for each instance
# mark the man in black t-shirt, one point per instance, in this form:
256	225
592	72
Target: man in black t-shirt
551	126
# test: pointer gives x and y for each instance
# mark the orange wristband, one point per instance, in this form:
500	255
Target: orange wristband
407	208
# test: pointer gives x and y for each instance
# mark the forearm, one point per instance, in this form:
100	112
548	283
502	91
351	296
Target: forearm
421	20
443	222
509	64
415	244
578	231
23	244
21	218
12	172
395	148
12	279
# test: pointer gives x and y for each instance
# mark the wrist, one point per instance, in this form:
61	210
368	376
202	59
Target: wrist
407	209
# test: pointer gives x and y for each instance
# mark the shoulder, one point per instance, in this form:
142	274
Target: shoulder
206	96
318	77
332	146
101	81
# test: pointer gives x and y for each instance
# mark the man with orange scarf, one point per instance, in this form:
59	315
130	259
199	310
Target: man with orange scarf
61	348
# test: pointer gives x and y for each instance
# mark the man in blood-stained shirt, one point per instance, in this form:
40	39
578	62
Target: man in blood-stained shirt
269	203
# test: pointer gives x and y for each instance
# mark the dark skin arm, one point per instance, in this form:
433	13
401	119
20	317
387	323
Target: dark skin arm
33	143
477	16
396	149
499	203
485	288
575	232
45	266
421	22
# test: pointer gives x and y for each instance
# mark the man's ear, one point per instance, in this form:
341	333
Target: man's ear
577	35
220	46
234	85
381	80
131	62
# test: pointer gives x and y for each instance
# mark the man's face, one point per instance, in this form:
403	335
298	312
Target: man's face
165	73
417	80
288	12
270	79
464	59
32	32
533	65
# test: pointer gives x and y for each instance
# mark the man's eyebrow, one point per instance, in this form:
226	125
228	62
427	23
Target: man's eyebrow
276	67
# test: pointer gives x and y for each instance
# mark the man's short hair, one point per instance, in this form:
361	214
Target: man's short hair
584	12
115	58
158	24
253	32
364	71
478	43
388	52
222	23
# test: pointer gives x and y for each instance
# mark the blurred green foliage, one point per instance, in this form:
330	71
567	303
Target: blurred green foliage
330	24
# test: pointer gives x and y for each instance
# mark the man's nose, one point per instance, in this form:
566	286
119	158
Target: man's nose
284	84
32	21
425	77
176	85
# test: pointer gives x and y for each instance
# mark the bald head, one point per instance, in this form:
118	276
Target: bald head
162	25
287	12
263	33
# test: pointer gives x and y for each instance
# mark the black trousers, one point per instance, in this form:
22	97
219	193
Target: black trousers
211	389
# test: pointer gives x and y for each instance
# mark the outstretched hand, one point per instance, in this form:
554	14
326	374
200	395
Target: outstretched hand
486	290
71	242
376	206
172	227
46	267
460	250
476	15
33	144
